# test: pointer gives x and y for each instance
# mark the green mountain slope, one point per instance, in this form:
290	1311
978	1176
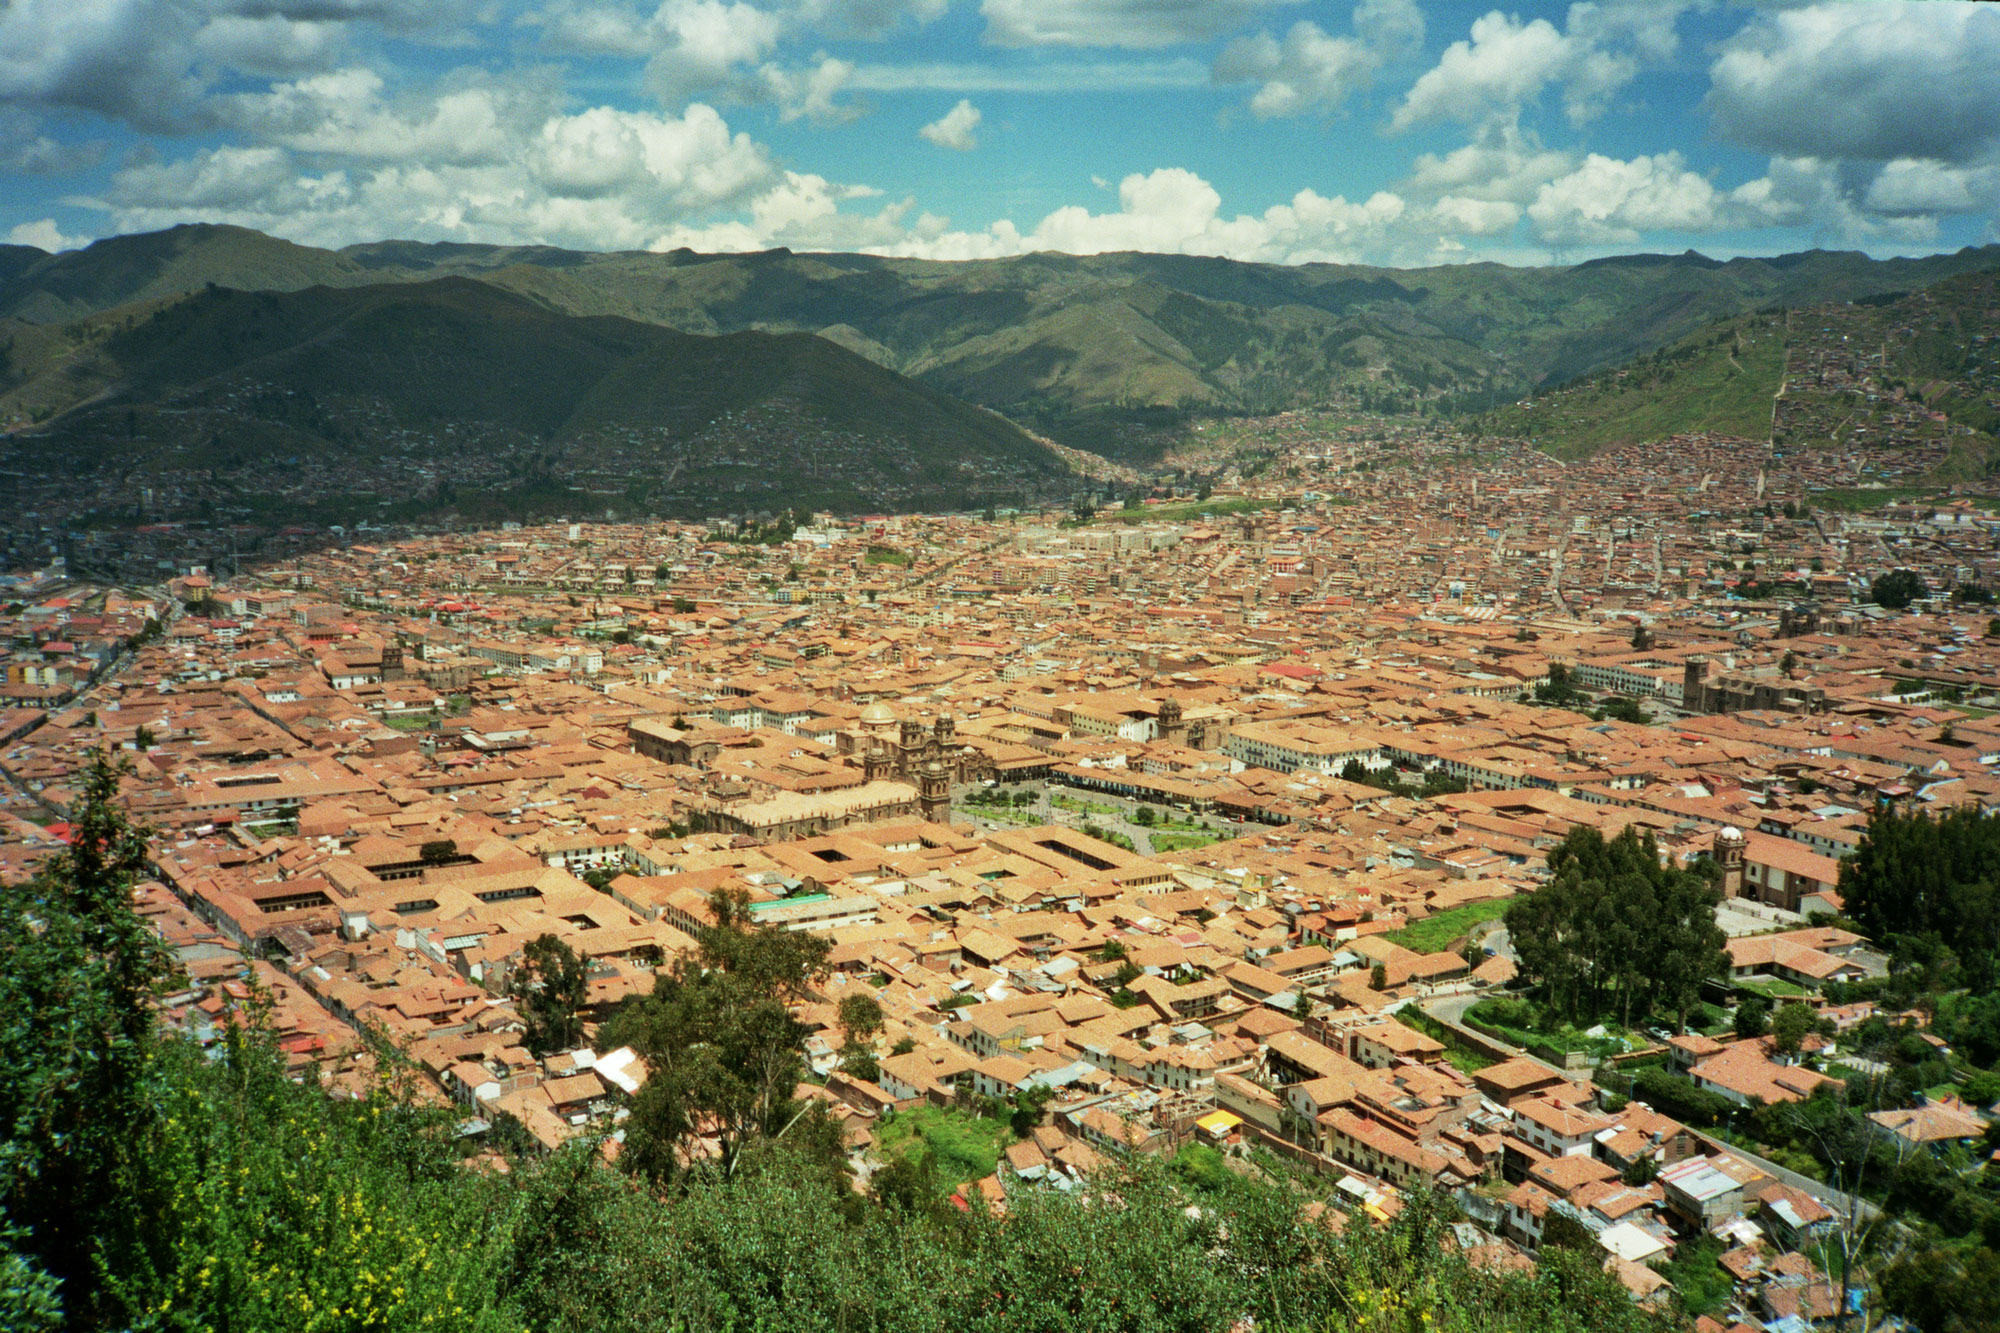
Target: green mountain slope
1896	378
1072	344
456	394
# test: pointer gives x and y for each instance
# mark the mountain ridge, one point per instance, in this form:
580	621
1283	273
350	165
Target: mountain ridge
485	401
1065	343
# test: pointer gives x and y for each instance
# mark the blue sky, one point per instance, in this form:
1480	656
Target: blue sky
1390	131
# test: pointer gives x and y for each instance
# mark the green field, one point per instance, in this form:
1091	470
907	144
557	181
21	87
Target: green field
1461	1057
1187	513
1722	381
1437	932
1184	842
963	1147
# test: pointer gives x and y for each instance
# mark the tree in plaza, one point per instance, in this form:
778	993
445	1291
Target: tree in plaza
549	988
1559	690
722	1048
1616	931
1897	589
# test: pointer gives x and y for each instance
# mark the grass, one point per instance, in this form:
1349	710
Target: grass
408	721
1184	842
1436	931
1696	385
963	1147
1854	500
1075	806
1694	1273
1003	814
1773	989
1523	1023
887	555
1461	1057
1184	513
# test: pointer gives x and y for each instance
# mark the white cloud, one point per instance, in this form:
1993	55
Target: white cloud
1503	163
704	41
1462	215
1393	27
1877	81
809	93
1126	23
1819	194
1309	70
1606	201
270	44
24	148
954	129
1506	64
152	64
867	18
1044	76
1305	71
346	112
1924	185
800	210
45	235
600	179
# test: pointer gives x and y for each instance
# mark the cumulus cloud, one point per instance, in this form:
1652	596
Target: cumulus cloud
1309	70
25	149
1505	64
702	44
1609	201
348	113
1306	70
1924	185
1126	23
1174	211
954	129
1504	163
45	235
810	93
153	63
1877	81
599	178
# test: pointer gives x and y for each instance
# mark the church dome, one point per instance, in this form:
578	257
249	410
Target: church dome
878	715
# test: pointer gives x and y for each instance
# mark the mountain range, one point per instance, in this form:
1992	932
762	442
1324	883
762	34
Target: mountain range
390	400
214	371
1068	345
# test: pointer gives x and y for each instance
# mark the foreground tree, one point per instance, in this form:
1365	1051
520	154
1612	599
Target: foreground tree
76	1044
723	1051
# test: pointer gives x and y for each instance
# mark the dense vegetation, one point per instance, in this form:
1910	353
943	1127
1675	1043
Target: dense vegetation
1929	887
1617	933
147	1183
